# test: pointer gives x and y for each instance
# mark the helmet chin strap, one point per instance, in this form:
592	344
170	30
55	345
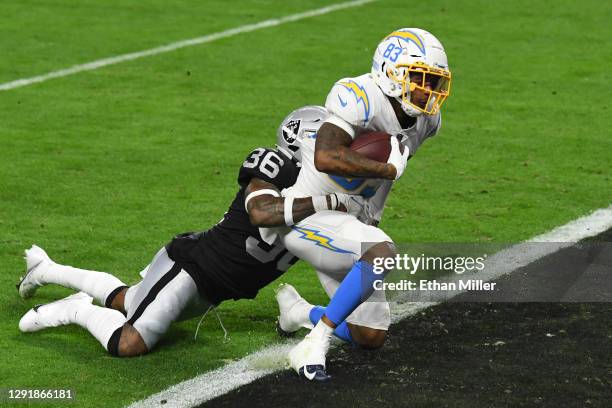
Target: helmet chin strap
409	110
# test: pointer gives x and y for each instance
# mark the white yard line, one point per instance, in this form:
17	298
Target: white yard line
271	359
90	66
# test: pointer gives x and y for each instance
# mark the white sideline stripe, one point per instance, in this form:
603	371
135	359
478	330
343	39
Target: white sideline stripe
90	66
271	359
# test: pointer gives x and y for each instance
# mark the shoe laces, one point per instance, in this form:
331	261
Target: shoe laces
214	309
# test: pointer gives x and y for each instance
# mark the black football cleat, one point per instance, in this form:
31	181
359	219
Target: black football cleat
314	373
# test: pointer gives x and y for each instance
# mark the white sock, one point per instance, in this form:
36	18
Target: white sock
302	314
96	284
101	322
322	332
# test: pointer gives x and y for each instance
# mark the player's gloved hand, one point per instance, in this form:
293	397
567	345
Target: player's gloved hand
366	215
398	158
353	204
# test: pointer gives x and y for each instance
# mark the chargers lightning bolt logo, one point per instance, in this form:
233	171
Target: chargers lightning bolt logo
319	239
360	96
408	36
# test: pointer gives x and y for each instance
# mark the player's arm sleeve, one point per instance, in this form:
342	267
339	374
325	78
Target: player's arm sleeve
344	109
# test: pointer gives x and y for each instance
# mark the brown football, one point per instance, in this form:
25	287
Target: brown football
373	145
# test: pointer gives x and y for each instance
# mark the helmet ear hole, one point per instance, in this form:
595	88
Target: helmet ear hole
293	148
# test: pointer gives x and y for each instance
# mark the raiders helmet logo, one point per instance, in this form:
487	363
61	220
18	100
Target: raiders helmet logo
290	131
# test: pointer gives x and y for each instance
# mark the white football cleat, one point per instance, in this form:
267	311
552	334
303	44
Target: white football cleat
293	310
308	358
37	261
58	313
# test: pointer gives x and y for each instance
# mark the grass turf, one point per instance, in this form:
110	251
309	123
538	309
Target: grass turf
102	168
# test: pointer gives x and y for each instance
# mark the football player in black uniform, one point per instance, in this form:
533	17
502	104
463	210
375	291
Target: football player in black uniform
194	271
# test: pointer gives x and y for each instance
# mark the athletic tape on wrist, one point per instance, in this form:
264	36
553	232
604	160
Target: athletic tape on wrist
288	211
319	203
258	193
334	201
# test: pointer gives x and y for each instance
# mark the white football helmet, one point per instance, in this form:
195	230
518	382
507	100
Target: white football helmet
299	124
410	65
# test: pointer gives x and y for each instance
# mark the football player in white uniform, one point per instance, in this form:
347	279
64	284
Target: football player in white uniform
402	96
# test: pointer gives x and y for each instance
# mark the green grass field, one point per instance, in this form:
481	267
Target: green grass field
102	168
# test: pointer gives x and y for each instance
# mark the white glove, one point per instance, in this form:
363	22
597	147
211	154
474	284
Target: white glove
353	203
366	215
398	159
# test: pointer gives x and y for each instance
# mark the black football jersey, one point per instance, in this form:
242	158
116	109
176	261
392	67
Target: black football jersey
231	260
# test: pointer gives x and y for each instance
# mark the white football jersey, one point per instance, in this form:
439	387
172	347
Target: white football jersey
357	105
